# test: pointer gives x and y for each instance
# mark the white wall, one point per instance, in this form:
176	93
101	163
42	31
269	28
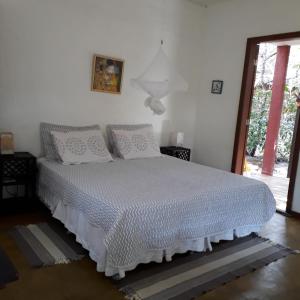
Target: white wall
228	25
46	50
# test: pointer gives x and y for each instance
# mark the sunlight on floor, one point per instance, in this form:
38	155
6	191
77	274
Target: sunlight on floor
278	184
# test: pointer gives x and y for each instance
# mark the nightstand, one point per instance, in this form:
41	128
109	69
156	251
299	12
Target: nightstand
17	170
179	152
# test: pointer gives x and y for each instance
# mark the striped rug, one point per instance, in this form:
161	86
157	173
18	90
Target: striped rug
47	244
191	275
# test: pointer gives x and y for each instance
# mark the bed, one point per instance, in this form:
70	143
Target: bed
129	212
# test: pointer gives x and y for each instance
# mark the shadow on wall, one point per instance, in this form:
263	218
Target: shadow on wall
183	50
166	130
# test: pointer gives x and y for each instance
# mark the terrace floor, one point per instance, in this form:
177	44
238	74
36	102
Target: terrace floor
278	184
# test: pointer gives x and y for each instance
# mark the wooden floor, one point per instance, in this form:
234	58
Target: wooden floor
278	185
80	281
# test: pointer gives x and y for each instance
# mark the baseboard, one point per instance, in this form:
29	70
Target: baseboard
284	213
293	214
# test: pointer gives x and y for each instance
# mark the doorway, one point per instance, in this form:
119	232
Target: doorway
268	128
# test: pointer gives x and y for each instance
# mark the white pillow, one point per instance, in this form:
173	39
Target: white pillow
137	143
110	138
78	147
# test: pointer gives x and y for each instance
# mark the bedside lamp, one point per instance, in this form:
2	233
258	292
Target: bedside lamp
6	143
177	139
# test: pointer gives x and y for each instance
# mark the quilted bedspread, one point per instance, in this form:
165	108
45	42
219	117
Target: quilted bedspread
154	204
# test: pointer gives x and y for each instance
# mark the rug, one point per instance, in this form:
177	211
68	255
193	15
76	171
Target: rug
47	244
8	272
188	276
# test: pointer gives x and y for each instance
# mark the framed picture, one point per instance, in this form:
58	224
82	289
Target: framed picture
217	87
107	74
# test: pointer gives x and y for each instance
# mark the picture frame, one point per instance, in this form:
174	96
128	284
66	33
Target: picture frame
107	74
217	87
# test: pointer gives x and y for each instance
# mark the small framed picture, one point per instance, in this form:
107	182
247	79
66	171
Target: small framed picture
107	74
217	87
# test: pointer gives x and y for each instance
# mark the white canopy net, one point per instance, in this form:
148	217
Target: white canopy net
159	80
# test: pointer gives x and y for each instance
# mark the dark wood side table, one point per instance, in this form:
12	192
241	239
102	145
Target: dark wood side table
17	170
179	152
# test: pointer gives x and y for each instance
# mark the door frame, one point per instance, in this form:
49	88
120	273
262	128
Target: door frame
242	124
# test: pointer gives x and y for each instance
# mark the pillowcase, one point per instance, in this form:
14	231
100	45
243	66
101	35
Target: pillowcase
48	148
138	143
111	142
78	147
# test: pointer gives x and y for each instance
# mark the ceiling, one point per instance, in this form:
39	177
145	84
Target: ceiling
208	2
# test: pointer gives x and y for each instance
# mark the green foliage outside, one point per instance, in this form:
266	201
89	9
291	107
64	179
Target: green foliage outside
258	121
260	114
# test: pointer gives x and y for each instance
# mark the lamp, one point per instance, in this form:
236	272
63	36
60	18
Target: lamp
177	139
6	143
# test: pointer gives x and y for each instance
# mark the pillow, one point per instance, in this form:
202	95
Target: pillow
109	128
48	148
76	147
139	143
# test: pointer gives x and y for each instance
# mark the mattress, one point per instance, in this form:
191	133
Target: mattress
128	212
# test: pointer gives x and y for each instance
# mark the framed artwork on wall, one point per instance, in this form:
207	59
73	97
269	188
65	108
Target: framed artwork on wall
217	87
107	74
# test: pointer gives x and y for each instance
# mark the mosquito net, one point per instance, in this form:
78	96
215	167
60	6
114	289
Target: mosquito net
159	80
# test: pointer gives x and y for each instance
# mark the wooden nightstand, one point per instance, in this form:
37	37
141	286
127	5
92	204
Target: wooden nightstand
179	152
17	170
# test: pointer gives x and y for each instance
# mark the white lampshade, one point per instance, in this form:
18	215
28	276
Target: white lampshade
177	139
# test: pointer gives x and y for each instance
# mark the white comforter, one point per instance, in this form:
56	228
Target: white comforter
149	208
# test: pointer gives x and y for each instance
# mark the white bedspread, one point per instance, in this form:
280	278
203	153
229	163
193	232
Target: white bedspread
155	207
